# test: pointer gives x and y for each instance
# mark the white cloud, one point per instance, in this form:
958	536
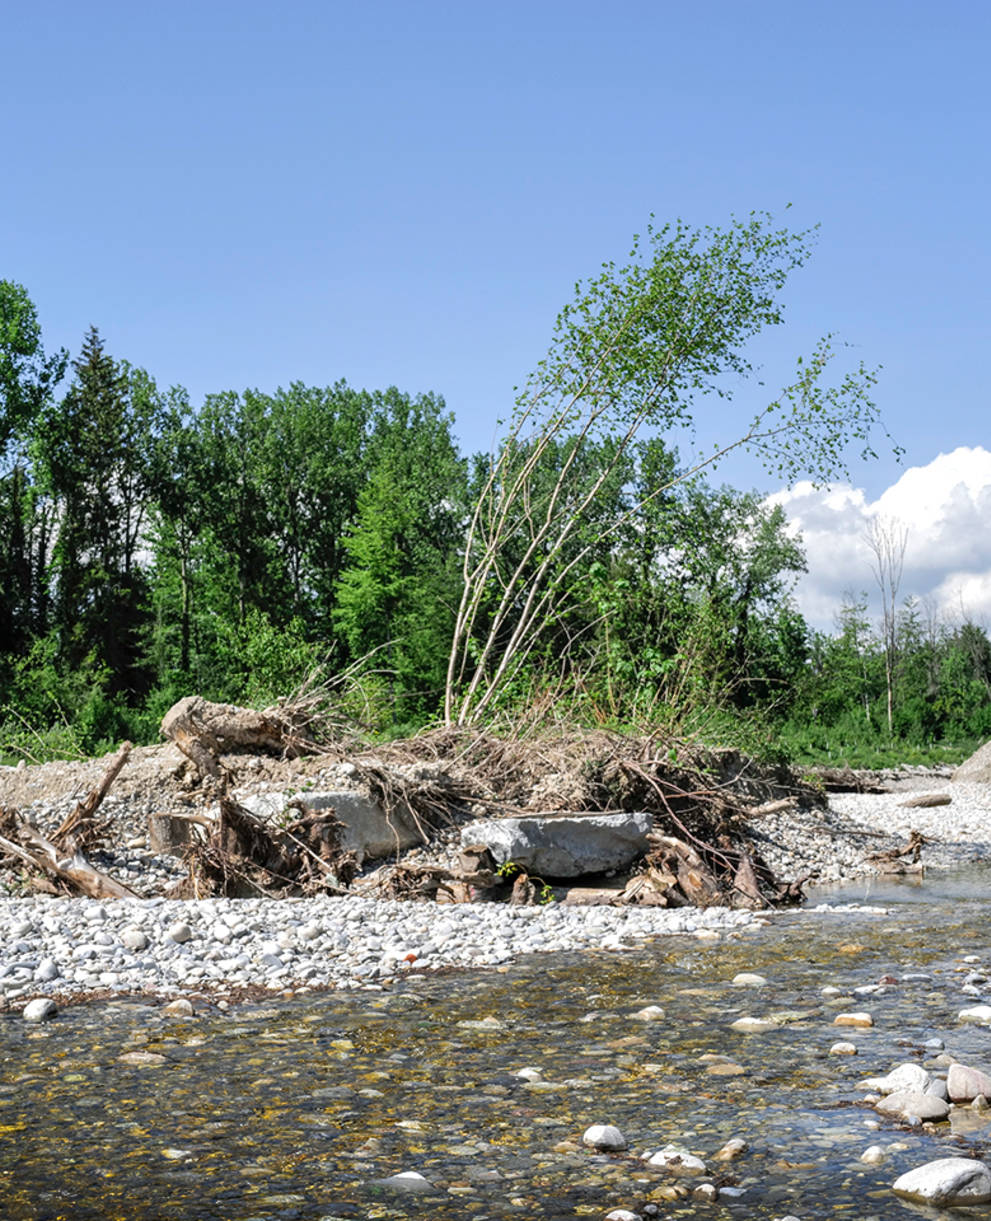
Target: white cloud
946	509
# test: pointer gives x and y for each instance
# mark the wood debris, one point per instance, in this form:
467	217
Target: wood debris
926	801
62	860
894	860
243	857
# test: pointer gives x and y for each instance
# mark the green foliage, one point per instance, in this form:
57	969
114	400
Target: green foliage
395	594
151	548
266	661
27	376
632	352
509	871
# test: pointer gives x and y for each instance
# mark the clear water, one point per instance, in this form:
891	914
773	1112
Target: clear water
299	1108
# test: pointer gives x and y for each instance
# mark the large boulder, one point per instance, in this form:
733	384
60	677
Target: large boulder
563	845
976	769
947	1181
964	1084
904	1104
904	1077
368	831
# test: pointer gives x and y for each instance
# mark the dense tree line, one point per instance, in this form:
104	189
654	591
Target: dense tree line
150	549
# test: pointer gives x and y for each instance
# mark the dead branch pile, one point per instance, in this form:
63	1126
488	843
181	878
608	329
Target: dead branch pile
702	803
242	857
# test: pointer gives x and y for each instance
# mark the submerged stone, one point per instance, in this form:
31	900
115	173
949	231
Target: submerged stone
908	1103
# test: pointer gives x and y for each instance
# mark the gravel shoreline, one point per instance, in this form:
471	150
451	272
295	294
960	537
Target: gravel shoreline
70	948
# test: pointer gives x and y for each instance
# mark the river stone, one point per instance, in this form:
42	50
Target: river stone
406	1180
563	846
483	1024
180	932
134	938
726	1069
42	1009
604	1136
843	1049
748	980
678	1159
180	1007
946	1181
963	1084
752	1025
733	1148
905	1103
976	769
904	1077
976	1013
46	971
652	1013
142	1059
853	1019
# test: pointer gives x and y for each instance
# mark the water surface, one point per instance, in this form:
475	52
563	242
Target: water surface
299	1108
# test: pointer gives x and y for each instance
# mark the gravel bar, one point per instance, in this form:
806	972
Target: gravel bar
66	948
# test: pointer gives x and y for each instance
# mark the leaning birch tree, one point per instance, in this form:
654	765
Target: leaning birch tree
887	539
634	352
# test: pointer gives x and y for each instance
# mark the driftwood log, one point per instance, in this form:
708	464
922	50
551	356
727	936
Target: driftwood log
204	731
76	872
63	858
926	801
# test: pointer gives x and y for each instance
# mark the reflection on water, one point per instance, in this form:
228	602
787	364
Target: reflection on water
298	1108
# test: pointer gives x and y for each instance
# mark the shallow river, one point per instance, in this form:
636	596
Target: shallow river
295	1108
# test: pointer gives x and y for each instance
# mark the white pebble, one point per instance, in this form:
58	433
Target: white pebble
604	1136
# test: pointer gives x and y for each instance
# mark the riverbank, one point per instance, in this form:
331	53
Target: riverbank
71	948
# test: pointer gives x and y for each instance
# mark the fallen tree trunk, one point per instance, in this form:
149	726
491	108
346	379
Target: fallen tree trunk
846	780
204	731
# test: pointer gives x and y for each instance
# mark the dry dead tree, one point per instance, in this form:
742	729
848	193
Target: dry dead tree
81	831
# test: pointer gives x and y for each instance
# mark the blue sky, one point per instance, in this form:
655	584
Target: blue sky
241	194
